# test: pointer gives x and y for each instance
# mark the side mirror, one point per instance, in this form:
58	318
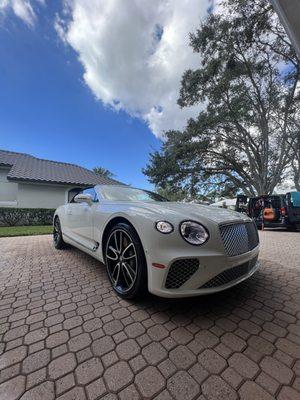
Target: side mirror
83	198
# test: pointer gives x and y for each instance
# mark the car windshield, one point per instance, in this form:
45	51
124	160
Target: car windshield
295	199
129	194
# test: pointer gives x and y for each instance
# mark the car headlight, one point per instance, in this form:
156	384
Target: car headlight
164	227
193	232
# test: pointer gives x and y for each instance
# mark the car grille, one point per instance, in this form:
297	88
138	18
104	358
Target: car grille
230	275
239	238
180	271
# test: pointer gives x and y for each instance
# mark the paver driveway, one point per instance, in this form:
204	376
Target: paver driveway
64	333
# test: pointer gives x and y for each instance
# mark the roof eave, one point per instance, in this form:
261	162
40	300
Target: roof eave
16	179
5	164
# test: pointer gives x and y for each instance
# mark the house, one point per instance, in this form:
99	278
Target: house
30	182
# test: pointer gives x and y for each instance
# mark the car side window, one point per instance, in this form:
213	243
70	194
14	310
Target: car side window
92	192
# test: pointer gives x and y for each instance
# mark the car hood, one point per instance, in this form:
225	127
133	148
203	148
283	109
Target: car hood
197	212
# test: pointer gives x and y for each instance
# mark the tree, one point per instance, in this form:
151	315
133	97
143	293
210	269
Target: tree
104	172
247	87
173	195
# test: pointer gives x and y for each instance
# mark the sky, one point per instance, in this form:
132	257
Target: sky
95	82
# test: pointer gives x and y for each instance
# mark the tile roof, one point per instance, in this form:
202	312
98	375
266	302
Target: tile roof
25	167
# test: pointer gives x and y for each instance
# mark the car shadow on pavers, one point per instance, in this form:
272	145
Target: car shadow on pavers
64	334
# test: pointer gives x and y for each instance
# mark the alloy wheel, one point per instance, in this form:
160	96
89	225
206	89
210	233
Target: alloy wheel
121	260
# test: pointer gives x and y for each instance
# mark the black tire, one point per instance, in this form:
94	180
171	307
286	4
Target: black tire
57	235
125	258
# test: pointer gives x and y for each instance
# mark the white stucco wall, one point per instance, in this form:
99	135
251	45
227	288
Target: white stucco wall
8	190
30	195
3	174
41	196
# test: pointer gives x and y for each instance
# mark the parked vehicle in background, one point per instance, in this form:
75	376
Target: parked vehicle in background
272	211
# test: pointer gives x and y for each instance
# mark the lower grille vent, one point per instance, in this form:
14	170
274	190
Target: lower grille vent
230	275
180	271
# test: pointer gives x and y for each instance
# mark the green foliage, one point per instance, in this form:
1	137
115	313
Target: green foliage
104	172
247	88
9	231
25	216
171	194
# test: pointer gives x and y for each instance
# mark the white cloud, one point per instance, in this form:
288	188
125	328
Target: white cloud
134	53
22	9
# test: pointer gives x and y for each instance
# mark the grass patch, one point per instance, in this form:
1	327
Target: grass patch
25	230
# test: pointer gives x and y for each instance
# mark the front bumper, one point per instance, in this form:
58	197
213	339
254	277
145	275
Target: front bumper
224	250
210	266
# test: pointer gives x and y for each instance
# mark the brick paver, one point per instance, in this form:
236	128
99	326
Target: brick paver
64	334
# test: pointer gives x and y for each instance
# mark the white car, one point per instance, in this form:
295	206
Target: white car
148	243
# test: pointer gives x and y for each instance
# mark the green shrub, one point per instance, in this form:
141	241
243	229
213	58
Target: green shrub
25	216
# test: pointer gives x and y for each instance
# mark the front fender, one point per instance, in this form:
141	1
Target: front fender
140	223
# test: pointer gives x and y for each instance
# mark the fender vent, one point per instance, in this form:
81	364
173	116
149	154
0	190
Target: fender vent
180	271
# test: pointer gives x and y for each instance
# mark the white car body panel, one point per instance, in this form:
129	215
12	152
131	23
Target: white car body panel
83	226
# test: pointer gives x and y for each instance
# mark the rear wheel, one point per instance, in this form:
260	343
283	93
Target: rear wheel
125	262
57	235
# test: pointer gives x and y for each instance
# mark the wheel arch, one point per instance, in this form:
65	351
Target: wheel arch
60	213
55	217
109	225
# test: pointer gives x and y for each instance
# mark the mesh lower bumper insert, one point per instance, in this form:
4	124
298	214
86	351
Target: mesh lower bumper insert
230	275
180	271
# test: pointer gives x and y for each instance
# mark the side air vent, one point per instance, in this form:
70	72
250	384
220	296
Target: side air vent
180	271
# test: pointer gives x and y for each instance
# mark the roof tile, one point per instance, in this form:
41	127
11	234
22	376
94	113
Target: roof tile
28	168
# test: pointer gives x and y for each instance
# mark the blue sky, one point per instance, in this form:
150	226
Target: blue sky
46	109
55	105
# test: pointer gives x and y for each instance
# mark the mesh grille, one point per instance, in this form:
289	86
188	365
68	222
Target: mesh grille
230	275
252	232
180	271
239	238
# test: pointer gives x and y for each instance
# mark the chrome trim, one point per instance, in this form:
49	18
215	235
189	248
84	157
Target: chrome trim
94	248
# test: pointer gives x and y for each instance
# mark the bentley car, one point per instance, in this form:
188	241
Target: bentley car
151	244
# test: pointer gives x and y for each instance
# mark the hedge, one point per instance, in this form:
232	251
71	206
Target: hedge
25	216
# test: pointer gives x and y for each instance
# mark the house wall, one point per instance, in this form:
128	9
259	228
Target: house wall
31	195
3	174
41	196
8	190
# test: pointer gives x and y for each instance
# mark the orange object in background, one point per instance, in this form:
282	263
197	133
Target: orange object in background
269	214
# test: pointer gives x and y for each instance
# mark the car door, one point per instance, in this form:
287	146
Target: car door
80	219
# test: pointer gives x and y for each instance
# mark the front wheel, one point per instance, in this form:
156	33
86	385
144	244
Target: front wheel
125	262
